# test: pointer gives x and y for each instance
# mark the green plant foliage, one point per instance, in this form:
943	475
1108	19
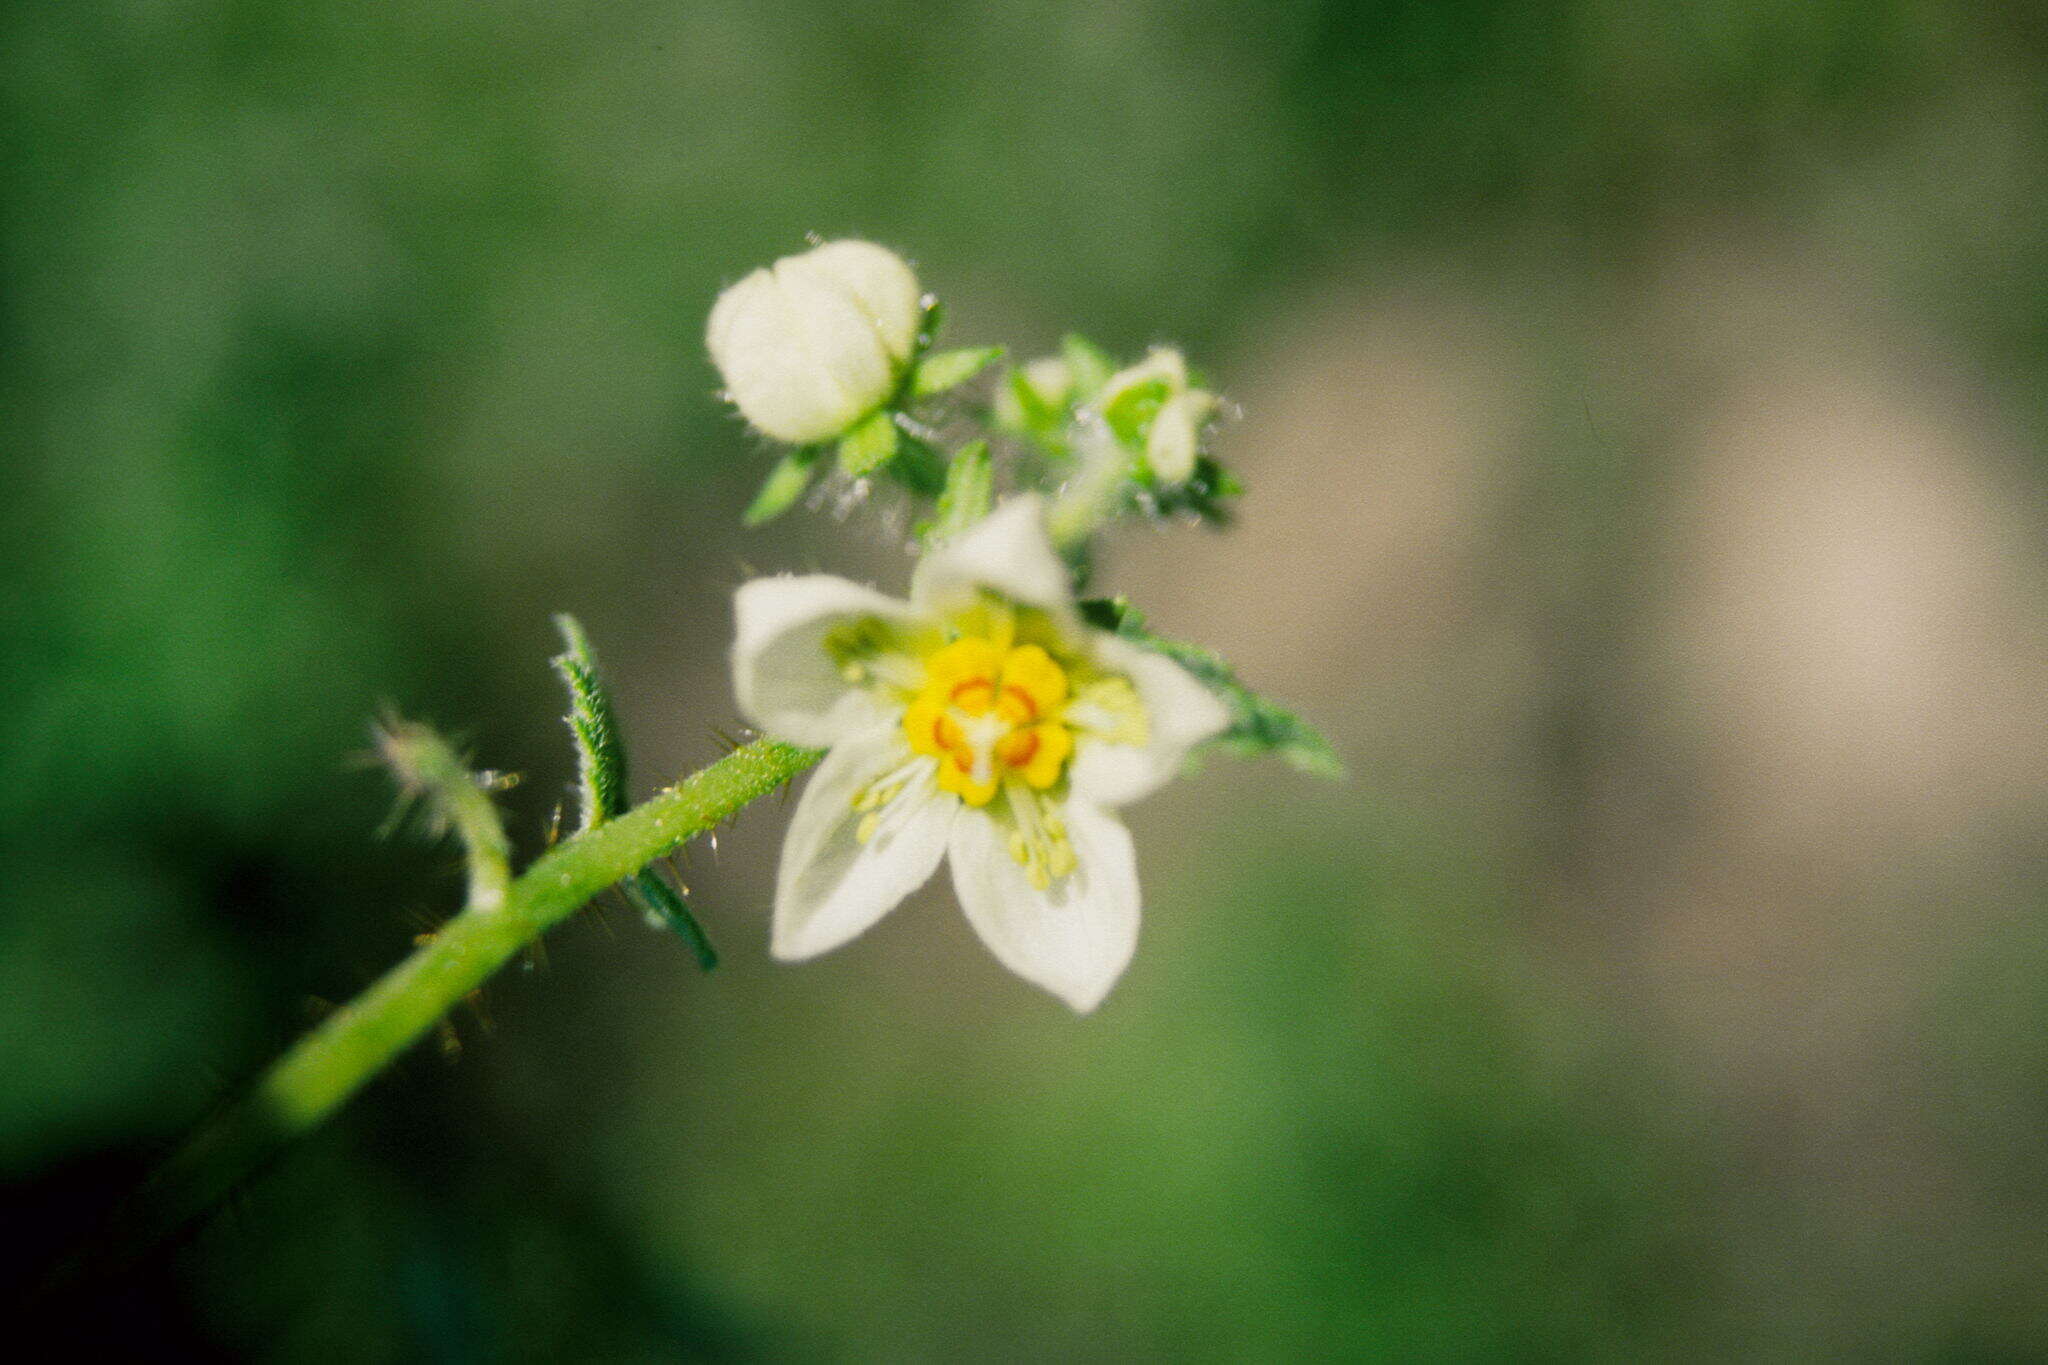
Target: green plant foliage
1205	494
601	780
1089	367
662	904
784	485
600	753
918	465
342	343
943	370
869	446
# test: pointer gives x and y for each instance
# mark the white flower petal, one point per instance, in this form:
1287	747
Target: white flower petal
840	334
882	284
786	683
1007	552
1180	713
1074	938
764	350
831	886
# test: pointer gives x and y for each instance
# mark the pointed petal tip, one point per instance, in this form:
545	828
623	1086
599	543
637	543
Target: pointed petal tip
1074	941
1085	1002
784	946
1009	552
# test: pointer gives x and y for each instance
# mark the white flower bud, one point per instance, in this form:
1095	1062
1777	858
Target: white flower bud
810	345
1170	446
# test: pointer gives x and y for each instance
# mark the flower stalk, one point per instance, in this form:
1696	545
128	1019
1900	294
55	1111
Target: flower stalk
359	1039
356	1042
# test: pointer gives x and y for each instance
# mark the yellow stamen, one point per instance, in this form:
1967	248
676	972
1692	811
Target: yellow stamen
990	707
1000	713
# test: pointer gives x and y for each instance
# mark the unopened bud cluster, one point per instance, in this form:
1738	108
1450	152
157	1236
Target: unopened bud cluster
830	349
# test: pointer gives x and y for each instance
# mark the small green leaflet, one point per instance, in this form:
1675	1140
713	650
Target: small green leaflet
918	466
1041	419
869	445
1133	408
943	370
601	780
650	893
600	755
1257	725
785	484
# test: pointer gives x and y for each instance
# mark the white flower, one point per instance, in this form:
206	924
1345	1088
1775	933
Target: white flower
813	343
980	719
1151	403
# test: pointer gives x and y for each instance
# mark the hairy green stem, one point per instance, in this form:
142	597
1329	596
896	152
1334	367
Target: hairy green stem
360	1039
423	763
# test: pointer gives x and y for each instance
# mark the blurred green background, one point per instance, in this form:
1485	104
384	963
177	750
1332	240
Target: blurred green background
1641	409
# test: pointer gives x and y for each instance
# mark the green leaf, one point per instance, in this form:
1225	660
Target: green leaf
650	893
943	370
427	768
600	754
785	484
870	445
1258	725
601	774
967	496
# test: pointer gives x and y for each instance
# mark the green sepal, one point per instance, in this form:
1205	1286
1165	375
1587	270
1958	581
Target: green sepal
649	892
917	466
968	494
943	370
869	445
600	753
785	484
1113	614
1204	493
1258	725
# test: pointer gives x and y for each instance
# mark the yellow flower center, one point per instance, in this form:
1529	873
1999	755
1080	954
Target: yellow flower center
990	711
